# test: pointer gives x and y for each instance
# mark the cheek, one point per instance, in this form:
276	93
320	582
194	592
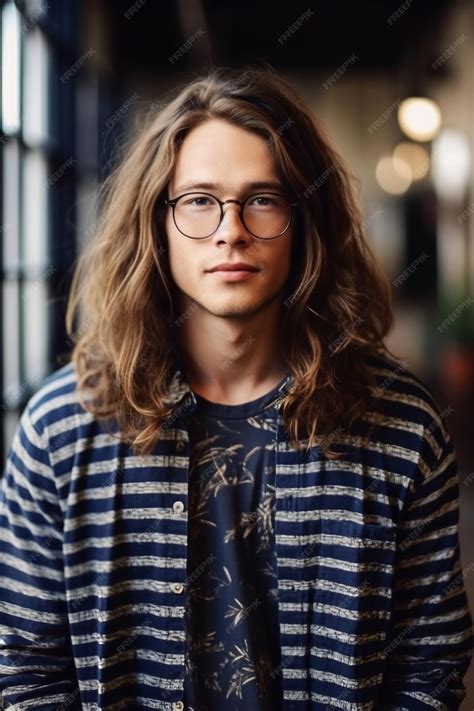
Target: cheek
177	254
169	227
182	259
283	257
175	243
284	264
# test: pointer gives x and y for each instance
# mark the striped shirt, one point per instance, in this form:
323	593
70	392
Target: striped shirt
372	608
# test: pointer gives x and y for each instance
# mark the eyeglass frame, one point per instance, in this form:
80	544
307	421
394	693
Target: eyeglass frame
221	203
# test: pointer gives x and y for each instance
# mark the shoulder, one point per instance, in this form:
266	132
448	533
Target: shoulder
398	384
54	411
49	424
403	401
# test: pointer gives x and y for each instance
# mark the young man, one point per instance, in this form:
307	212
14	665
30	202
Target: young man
233	496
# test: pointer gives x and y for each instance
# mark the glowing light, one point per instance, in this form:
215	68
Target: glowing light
415	156
393	175
10	68
451	164
419	118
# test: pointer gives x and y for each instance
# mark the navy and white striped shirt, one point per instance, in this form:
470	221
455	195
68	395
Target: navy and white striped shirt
372	608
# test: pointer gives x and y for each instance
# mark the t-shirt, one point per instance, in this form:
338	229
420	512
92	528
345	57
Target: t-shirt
232	658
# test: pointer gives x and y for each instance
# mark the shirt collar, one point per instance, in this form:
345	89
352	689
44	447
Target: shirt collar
179	388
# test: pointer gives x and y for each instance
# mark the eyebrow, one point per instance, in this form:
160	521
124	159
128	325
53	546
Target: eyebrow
218	187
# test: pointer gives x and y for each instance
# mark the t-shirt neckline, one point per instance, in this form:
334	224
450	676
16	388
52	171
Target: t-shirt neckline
242	410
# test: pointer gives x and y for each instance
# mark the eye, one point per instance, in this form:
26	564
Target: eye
269	201
198	201
262	201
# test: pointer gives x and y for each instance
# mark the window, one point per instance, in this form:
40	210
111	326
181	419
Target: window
38	189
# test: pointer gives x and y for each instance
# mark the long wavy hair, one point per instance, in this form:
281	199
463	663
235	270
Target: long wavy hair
337	307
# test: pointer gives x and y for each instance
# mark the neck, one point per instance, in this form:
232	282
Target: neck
232	359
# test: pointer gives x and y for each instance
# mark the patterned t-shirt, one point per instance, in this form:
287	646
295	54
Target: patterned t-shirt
233	656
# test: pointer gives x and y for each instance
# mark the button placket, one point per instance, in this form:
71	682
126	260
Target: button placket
178	508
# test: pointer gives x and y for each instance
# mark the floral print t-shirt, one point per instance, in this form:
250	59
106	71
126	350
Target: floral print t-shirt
233	655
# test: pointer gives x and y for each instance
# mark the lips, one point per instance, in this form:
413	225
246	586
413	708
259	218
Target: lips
237	267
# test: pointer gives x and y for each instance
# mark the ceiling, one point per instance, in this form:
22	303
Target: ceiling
146	34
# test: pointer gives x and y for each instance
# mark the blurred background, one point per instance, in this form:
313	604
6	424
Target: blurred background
391	81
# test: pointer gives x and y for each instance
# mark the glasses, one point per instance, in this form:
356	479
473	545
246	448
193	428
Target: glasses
198	215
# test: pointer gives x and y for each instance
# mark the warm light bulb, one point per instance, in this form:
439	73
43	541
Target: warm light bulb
416	156
419	118
393	175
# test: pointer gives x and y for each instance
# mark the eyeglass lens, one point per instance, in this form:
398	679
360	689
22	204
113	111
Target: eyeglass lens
265	215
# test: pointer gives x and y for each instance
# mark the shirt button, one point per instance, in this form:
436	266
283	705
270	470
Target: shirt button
177	587
178	507
178	706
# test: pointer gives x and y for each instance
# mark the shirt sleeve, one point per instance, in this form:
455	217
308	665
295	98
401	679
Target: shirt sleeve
430	646
36	663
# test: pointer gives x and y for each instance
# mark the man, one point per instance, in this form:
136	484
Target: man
232	496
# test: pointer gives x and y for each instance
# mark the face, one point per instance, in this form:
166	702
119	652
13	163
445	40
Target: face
228	157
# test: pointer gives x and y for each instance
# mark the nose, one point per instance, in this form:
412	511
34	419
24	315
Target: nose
232	229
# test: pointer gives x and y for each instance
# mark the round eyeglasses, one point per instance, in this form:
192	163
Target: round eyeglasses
265	215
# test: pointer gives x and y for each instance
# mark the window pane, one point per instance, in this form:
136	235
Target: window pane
10	68
36	87
10	422
10	327
35	9
86	211
35	212
35	333
11	186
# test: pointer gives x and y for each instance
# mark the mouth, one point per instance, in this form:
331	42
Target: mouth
234	274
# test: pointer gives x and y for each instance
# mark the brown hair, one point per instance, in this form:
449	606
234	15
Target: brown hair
337	308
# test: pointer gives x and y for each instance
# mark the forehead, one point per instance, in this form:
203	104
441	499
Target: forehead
224	154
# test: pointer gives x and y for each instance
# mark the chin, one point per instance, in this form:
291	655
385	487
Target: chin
235	308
